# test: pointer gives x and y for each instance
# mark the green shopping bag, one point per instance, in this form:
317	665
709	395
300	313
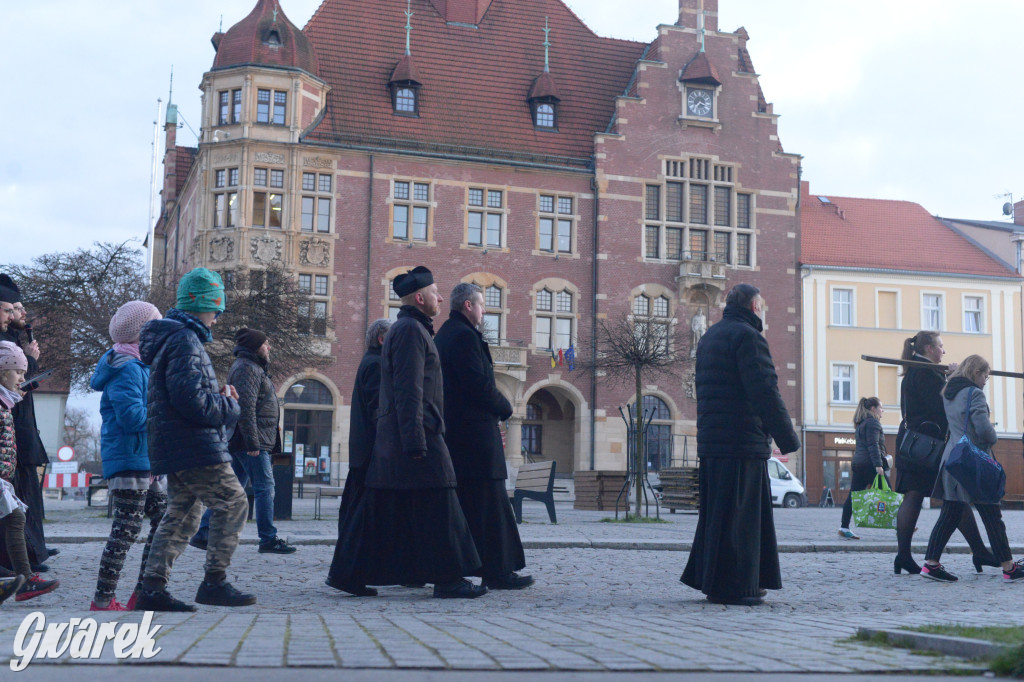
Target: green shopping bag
876	507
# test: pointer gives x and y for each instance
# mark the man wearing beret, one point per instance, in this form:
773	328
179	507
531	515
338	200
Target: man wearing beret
256	437
473	405
190	419
31	452
408	528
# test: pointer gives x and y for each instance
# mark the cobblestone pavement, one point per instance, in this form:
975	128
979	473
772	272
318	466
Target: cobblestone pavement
592	609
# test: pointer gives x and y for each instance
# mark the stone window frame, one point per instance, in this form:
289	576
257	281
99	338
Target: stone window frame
555	216
316	204
654	293
485	209
486	280
411	204
275	103
554	286
227	207
267	179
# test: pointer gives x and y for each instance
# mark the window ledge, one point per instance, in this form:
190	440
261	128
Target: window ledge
556	255
488	249
711	124
408	244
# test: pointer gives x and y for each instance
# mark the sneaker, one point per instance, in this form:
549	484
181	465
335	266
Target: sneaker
937	573
276	546
132	600
160	600
512	581
34	587
460	589
198	542
114	605
52	551
10	586
222	594
1017	573
39	568
848	534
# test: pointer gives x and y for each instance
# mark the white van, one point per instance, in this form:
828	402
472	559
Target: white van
787	490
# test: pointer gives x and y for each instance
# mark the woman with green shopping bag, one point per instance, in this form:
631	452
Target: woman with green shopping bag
869	458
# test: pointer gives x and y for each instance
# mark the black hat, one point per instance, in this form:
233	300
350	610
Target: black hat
9	290
250	339
412	281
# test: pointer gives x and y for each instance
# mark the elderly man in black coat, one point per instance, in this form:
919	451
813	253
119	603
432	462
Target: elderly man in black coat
739	411
408	528
31	453
362	434
472	408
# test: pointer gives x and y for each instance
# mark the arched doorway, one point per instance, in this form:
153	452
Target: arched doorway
308	423
550	429
658	446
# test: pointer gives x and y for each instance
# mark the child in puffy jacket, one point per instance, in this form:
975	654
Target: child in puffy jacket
124	380
25	585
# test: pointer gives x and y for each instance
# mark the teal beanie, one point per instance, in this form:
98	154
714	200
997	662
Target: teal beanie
201	291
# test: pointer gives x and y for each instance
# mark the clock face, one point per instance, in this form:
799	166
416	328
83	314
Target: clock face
699	102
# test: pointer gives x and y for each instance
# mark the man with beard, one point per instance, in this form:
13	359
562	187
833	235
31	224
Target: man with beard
735	556
362	432
472	408
408	528
31	453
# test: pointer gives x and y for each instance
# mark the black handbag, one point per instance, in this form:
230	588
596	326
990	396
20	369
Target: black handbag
919	451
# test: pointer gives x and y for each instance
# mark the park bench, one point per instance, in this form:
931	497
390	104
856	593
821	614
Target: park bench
535	482
322	492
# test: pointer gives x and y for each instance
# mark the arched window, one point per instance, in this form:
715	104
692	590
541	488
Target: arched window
309	392
658	446
492	315
405	101
545	116
555	318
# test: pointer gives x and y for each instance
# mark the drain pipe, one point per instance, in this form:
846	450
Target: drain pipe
593	327
369	249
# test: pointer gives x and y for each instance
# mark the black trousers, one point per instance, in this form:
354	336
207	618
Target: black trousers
862	478
950	516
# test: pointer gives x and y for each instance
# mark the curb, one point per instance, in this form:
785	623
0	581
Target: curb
961	647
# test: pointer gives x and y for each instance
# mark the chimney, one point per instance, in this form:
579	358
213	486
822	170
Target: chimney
1018	212
462	11
689	13
170	156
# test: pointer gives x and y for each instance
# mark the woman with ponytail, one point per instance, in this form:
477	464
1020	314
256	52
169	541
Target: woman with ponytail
924	412
869	458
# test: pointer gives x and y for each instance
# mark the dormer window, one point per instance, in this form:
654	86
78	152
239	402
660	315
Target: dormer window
405	100
273	39
544	100
405	86
544	115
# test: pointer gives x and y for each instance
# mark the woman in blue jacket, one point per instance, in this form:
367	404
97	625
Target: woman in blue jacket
124	379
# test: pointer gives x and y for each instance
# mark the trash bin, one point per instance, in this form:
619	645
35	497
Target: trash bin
284	476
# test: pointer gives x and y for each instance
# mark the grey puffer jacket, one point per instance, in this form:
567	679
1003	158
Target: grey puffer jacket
257	402
979	430
188	419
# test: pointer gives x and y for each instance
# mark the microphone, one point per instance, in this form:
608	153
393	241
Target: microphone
28	332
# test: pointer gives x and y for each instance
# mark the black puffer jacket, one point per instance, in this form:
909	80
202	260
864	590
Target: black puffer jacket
921	401
472	403
257	403
870	452
189	421
739	409
410	452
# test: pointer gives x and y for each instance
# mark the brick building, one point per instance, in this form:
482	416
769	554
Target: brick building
576	178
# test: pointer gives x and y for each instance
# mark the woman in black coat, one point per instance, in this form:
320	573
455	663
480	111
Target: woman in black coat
869	458
923	412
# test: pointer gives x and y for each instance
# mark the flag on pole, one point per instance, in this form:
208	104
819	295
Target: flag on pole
570	358
554	360
561	357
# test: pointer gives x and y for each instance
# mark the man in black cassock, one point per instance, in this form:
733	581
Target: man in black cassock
31	452
362	433
472	408
735	557
408	528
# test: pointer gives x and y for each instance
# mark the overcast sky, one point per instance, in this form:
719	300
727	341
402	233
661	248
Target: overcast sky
907	99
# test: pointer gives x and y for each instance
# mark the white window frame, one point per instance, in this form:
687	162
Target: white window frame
980	310
852	303
835	366
941	310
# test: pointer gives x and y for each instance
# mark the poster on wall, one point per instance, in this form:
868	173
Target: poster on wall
289	438
324	466
299	459
310	468
325	451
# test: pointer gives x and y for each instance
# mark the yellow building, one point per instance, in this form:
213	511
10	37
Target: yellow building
874	273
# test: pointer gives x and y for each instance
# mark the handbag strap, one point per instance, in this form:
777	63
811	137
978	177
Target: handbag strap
884	484
967	412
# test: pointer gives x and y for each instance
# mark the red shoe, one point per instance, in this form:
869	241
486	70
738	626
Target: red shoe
34	587
114	605
130	606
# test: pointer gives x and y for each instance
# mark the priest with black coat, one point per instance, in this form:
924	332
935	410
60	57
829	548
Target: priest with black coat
473	406
735	558
408	527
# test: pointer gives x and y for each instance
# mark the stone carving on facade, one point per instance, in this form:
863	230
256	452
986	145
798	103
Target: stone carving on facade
222	249
316	162
269	157
225	157
316	252
265	249
690	384
504	355
698	325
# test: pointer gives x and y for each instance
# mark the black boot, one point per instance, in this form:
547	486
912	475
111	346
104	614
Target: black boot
160	600
222	594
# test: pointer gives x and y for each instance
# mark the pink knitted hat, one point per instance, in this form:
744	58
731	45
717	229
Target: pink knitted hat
127	322
12	357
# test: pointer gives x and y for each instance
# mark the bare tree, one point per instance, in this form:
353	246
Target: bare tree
635	348
71	296
81	434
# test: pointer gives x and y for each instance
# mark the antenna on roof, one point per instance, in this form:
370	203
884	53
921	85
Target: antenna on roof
170	90
408	25
220	29
1008	206
547	43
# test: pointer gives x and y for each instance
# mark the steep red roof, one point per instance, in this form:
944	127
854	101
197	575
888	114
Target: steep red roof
184	158
892	235
405	71
700	69
476	81
544	86
265	37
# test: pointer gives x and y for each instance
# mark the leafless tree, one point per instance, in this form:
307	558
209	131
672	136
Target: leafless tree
71	296
81	434
636	348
